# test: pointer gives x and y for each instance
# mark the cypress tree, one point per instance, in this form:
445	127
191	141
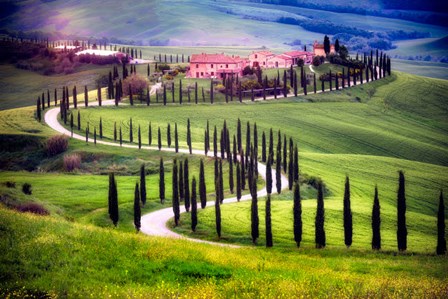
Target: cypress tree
315	85
202	187
238	135
320	218
131	99
55	97
211	91
221	182
168	135
181	181
94	135
238	181
254	214
401	214
176	138
164	94
148	97
217	208
75	100
215	146
196	92
269	177
38	111
161	181
71	123
194	205
376	222
137	210
189	136
150	133
348	222
278	171
269	242
243	172
235	152
297	213
285	153
271	146
290	166
176	208
263	147
284	84
100	103
101	127
205	143
180	92
87	132
208	136
139	138
131	136
86	96
143	184
186	185
247	140
121	137
159	139
441	241
115	130
296	164
172	91
113	199
231	182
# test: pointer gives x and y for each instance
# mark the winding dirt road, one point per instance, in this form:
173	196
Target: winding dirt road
155	223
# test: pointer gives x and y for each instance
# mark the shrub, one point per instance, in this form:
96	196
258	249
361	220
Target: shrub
137	82
56	145
72	162
27	189
316	60
11	184
163	67
32	207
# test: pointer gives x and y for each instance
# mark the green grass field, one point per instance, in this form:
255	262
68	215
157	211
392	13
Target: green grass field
368	132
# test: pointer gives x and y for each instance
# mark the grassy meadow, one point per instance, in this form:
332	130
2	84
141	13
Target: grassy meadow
368	132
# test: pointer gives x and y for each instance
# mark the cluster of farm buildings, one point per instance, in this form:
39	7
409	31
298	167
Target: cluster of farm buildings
219	65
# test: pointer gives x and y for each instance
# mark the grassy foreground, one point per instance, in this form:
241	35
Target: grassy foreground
44	256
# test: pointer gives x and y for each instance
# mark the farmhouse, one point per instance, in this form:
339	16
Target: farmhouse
280	61
215	65
307	57
318	49
260	58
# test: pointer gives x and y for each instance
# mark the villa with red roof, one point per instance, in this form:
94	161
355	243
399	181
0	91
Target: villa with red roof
318	49
260	58
215	65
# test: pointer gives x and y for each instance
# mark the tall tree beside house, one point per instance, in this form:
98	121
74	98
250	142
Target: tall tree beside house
208	135
314	80
148	70
290	166
376	222
164	94
186	185
441	241
268	222
263	147
139	137
168	135
243	171
137	209
285	82
320	238
196	92
148	97
194	205
86	96
159	139
255	142
202	187
401	214
348	222
247	140
336	46
254	213
189	136
176	208
131	136
113	199
297	214
143	184
327	45
176	138
161	181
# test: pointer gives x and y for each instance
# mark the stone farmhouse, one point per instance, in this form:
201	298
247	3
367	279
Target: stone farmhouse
219	65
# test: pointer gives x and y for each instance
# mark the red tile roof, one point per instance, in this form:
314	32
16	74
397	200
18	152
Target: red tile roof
213	58
297	53
266	53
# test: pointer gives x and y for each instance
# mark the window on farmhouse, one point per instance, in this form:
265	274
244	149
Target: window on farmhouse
227	66
197	65
212	66
256	56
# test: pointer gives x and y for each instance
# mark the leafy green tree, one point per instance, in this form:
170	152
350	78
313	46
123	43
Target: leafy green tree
441	241
401	214
194	205
137	209
376	222
320	237
143	184
348	222
202	186
268	222
161	181
297	213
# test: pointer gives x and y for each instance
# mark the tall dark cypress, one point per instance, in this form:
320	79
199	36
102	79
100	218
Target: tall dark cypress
243	171
194	205
254	214
231	181
176	208
186	185
159	139
161	181
215	145
168	135
263	147
137	209
247	139
285	153
441	241
101	127
376	222
348	222
131	136
180	92
139	137
75	98
143	184
238	181
290	166
401	214
217	208
181	182
238	135
320	238
208	136
221	182
131	99
278	171
189	136
211	91
38	111
268	222
271	146
86	96
113	199
269	177
296	164
176	138
202	187
149	133
235	152
297	213
121	137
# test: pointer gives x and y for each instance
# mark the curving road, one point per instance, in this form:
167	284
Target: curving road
155	223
